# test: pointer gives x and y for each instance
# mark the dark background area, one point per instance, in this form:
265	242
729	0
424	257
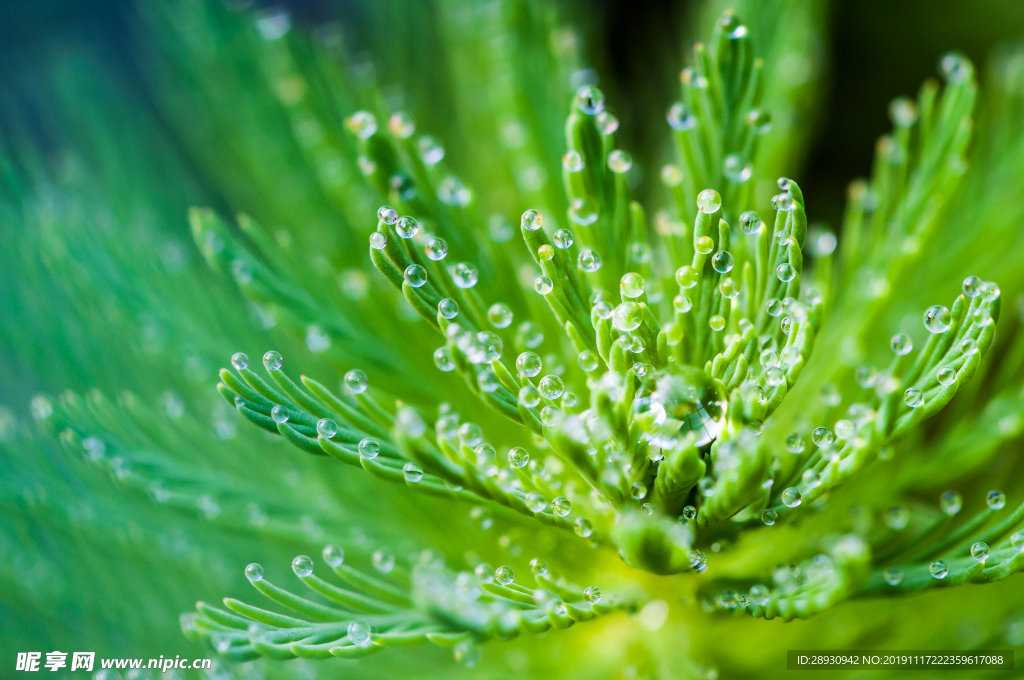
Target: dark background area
880	49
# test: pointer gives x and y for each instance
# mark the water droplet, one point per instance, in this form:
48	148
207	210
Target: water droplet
750	222
773	306
783	202
638	490
981	316
551	387
378	240
588	360
627	317
706	485
412	473
464	275
972	286
443	359
631	285
955	68
254	572
592	594
945	375
896	517
979	551
359	633
950	502
989	291
686	277
536	502
369	448
704	245
760	122
795	443
769	517
383	561
893	576
529	364
356	381
326	428
1017	540
785	272
437	249
279	414
572	161
901	344
822	437
562	239
407	227
583	528
938	569
590	100
431	153
561	506
619	161
584	211
362	124
302	565
717	322
532	220
969	346
736	170
913	397
937	319
272	360
722	261
606	123
680	118
902	112
709	201
333	555
504	575
387	214
529	396
518	457
791	497
415	275
240	361
589	260
995	500
774	376
759	595
448	308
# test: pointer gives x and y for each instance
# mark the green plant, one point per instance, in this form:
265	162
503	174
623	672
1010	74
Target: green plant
710	414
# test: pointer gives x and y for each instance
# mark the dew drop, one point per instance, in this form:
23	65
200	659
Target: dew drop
736	170
584	211
240	361
588	360
592	594
938	569
679	117
704	245
722	261
383	561
822	436
437	249
504	575
785	272
945	375
387	214
709	201
638	490
551	387
901	344
302	565
407	227
783	202
538	567
631	285
412	473
532	220
583	528
995	500
562	239
686	277
378	240
543	285
893	576
769	517
689	512
717	322
536	502
774	376
326	428
254	572
561	506
979	551
589	260
464	275
356	381
448	308
572	161
279	414
369	448
759	595
619	161
750	222
795	443
791	497
518	457
913	397
590	100
359	633
272	360
333	555
950	502
972	286
415	275
606	123
937	319
529	364
627	316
